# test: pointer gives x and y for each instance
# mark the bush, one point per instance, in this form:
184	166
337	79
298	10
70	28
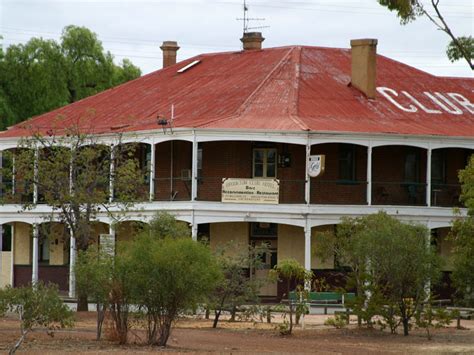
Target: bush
36	306
170	277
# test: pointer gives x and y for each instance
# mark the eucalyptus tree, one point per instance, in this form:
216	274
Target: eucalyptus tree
460	47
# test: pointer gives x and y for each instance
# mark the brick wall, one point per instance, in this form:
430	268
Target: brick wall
182	156
58	275
234	160
329	187
388	177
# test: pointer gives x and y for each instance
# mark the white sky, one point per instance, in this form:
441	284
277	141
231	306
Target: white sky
136	29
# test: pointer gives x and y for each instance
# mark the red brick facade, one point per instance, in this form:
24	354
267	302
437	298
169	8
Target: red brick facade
392	184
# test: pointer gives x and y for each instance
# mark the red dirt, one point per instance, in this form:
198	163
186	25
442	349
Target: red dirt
193	336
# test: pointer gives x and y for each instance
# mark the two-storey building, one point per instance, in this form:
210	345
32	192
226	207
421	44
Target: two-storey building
227	138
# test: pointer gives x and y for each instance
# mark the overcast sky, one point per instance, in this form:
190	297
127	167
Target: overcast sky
135	29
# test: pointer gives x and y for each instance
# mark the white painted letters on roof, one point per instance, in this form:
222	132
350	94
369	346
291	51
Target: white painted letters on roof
438	99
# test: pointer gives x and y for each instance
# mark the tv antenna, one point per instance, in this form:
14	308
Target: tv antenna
165	122
246	20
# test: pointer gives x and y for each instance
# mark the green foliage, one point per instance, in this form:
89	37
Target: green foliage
454	52
165	225
291	270
466	178
73	173
409	10
391	265
462	235
42	75
236	287
170	276
94	275
339	321
37	306
430	318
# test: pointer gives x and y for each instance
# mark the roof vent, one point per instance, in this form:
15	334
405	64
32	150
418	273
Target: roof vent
189	66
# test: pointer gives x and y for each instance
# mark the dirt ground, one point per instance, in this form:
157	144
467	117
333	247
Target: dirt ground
197	336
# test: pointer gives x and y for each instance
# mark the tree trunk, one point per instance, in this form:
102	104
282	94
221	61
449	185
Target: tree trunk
165	332
291	318
18	343
208	311
82	304
232	314
405	326
100	319
216	318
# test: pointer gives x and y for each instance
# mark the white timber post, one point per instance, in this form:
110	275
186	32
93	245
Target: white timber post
112	234
13	176
34	263
428	177
112	173
194	169
369	175
1	226
71	172
72	263
35	174
194	232
307	251
12	265
307	189
194	228
2	189
152	172
428	282
1	252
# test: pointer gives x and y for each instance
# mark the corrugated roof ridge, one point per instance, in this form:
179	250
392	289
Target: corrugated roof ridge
294	112
245	105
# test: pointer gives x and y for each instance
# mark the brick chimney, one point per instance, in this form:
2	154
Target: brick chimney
364	55
252	40
170	49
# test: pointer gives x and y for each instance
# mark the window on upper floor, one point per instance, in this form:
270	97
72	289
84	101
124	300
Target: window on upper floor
438	166
412	165
264	162
347	163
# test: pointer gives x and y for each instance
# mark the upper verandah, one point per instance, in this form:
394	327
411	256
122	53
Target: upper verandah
295	88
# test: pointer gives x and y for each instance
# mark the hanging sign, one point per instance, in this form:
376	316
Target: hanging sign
316	165
259	191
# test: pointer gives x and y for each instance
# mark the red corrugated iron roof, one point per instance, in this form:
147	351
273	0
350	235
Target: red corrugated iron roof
287	88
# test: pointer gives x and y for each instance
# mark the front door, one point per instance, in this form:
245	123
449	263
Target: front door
266	233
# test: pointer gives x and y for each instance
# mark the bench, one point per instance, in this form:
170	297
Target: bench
325	299
462	312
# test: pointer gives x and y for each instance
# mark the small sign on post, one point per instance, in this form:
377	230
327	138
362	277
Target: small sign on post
316	165
107	243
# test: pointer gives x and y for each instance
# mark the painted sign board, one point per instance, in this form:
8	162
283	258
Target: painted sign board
255	191
107	243
316	164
